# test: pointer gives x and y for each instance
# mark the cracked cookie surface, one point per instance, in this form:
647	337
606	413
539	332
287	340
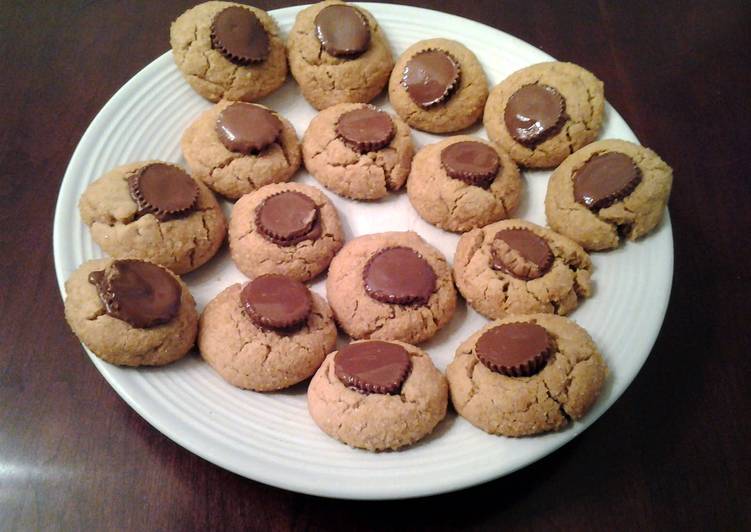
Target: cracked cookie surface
181	244
375	421
564	390
361	316
212	75
496	293
327	80
454	205
255	255
115	340
232	173
346	171
633	216
254	358
584	109
460	109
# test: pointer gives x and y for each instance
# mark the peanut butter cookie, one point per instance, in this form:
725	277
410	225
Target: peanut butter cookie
391	286
526	374
543	113
608	190
378	395
463	182
238	147
154	211
338	53
438	86
131	312
285	228
358	151
229	51
517	267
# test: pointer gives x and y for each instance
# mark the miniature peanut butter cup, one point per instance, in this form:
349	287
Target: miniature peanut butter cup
287	218
365	129
399	275
473	162
137	292
605	179
521	253
373	367
533	113
276	301
342	30
163	190
429	77
239	36
247	128
515	349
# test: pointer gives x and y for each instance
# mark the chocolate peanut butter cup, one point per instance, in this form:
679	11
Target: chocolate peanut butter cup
605	179
287	218
239	36
163	190
247	128
515	349
430	77
366	129
373	366
473	162
533	113
137	292
521	253
399	275
276	301
342	30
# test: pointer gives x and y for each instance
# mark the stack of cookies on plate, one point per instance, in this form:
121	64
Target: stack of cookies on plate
529	371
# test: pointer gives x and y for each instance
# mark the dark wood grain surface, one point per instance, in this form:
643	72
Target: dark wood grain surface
672	453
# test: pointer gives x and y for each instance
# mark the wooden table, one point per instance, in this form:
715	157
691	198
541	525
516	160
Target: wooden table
671	453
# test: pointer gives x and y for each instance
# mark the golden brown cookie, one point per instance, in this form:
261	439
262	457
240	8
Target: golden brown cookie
356	156
131	313
438	86
607	190
338	53
286	228
125	224
391	286
544	112
517	267
238	147
463	182
235	341
547	372
347	405
221	62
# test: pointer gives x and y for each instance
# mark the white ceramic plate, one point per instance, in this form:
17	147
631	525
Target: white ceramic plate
270	437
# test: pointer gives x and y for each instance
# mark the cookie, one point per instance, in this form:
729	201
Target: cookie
266	335
543	113
338	54
526	374
154	211
391	286
608	190
438	86
238	147
229	51
285	228
463	182
131	313
358	151
378	395
517	267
